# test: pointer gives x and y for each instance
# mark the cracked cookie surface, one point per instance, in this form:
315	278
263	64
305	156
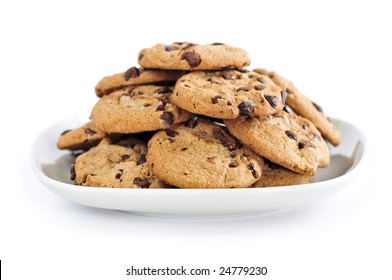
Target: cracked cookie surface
136	76
138	109
228	94
115	165
80	138
201	154
189	56
287	139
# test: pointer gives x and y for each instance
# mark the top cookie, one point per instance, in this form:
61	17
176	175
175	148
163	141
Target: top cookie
287	139
201	154
228	94
304	107
136	76
188	56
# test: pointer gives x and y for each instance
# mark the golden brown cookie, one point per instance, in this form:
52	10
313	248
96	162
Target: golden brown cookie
201	154
275	175
228	94
287	139
80	138
304	107
118	165
189	56
138	109
136	76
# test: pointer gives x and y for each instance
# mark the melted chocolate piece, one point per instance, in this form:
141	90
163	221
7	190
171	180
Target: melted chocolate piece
167	117
192	58
131	73
141	183
246	108
272	100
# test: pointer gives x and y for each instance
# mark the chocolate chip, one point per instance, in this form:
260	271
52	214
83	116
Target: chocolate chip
214	100
167	117
65	131
229	75
304	144
141	183
213	82
164	89
84	179
125	157
118	175
318	107
246	108
271	164
184	149
272	100
192	123
283	94
259	87
146	105
163	100
73	173
251	167
188	46
291	135
233	164
171	133
211	159
192	58
130	91
160	107
90	132
226	141
128	143
217	44
141	160
242	89
131	73
304	126
168	48
261	80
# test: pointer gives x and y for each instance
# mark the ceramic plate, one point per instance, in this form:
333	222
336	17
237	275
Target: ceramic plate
52	168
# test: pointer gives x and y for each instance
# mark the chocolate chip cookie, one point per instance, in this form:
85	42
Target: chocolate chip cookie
228	94
275	175
201	154
304	107
136	76
286	139
189	56
138	109
118	165
80	138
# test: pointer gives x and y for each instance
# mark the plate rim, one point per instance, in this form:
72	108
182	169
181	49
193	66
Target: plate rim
60	187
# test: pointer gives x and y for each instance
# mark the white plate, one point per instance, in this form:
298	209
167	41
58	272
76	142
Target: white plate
52	169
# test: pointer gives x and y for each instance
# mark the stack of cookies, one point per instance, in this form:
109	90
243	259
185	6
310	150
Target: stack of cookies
193	117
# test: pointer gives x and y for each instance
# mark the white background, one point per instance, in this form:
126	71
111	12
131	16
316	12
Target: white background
53	53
